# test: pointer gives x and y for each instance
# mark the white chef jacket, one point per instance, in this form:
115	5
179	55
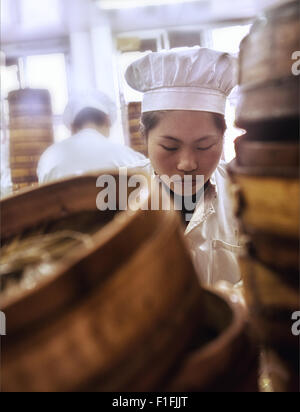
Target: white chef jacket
86	151
213	233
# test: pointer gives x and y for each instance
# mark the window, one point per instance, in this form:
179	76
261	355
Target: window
123	4
6	13
125	59
49	72
38	13
228	39
9	80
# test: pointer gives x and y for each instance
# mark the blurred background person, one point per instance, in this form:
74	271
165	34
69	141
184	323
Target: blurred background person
90	117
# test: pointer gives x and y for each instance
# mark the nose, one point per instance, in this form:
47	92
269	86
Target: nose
187	163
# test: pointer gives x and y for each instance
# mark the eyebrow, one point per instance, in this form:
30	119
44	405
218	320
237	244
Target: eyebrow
196	141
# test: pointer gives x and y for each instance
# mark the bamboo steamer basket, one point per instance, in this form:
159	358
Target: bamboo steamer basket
266	53
23	173
267	199
28	147
25	159
27	109
266	288
27	150
268	102
280	254
31	135
228	361
53	202
103	327
29	102
23	187
269	90
31	132
29	180
254	153
134	110
25	166
272	301
274	130
137	140
25	122
283	377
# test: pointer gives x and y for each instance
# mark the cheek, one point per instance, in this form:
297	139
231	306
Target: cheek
162	161
208	161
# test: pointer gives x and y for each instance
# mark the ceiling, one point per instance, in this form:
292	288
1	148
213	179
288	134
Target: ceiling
27	20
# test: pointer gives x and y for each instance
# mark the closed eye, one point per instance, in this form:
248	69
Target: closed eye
169	149
206	148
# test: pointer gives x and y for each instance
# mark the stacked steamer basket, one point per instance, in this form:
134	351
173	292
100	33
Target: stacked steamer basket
109	301
96	320
265	176
137	140
31	133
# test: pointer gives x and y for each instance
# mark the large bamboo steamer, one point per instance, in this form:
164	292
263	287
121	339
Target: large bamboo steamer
29	102
269	102
25	159
281	254
267	288
274	130
31	135
24	162
53	202
18	187
269	89
251	152
283	377
26	150
109	330
228	361
34	146
31	131
266	53
24	166
268	199
30	122
19	173
34	110
134	110
272	301
27	96
129	336
137	140
29	180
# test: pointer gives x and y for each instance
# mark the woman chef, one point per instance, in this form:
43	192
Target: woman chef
185	93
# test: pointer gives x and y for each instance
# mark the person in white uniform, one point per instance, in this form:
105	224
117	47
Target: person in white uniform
185	94
89	116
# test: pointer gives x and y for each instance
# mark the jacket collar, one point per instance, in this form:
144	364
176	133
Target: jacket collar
206	206
203	211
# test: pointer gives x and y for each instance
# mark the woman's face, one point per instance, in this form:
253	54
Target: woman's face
185	143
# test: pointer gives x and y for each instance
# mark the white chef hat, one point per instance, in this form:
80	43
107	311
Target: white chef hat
197	79
89	99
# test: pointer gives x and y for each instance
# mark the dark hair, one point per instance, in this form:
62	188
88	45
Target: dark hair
90	115
151	119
